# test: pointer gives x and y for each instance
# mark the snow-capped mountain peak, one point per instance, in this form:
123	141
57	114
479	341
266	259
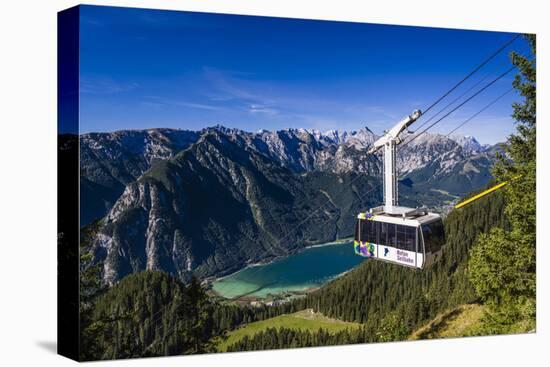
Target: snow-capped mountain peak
469	144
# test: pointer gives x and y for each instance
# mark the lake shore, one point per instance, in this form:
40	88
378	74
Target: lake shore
295	274
340	241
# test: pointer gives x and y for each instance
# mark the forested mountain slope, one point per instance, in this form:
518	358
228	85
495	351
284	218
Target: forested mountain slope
392	301
375	288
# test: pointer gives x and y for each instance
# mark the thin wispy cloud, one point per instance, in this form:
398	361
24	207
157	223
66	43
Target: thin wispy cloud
105	86
268	98
228	85
162	101
255	109
200	106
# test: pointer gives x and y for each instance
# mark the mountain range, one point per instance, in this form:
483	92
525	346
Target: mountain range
210	202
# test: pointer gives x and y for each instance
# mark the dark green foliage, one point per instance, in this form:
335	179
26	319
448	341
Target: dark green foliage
378	288
473	193
229	317
273	338
502	267
198	327
90	272
151	314
91	287
392	327
521	147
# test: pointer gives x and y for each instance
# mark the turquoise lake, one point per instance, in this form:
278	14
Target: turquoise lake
310	268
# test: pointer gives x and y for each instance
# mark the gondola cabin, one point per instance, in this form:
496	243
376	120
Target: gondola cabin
393	233
416	240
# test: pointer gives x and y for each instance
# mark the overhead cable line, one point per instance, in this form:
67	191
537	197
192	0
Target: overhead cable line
480	111
460	105
451	103
492	56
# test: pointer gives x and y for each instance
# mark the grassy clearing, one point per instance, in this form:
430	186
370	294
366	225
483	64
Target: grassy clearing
303	320
451	324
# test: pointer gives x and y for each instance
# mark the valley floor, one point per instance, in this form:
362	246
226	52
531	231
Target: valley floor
302	320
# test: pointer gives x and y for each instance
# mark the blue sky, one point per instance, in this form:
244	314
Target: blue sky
147	68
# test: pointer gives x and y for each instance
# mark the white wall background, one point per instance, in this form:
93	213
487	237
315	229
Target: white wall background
28	181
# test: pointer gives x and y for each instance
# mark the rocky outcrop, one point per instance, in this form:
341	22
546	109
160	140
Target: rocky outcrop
217	206
110	161
210	203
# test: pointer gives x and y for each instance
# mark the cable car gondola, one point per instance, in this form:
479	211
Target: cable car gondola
412	237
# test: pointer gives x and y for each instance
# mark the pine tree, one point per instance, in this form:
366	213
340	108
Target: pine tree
502	265
520	169
198	327
94	332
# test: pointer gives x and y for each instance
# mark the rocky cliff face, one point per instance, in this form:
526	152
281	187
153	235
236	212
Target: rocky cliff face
110	161
454	165
219	205
302	150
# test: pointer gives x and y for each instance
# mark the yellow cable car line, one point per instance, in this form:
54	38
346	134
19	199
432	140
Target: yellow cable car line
486	192
482	194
